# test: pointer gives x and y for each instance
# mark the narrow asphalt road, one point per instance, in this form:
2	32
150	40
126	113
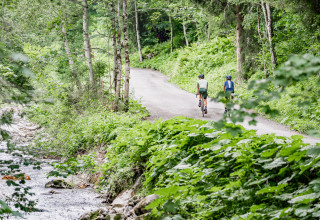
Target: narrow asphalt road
165	100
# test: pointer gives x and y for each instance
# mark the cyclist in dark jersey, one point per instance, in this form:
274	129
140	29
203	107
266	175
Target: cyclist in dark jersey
228	89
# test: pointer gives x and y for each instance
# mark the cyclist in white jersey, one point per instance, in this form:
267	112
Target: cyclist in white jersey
202	87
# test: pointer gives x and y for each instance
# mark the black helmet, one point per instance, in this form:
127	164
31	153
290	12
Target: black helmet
228	77
201	76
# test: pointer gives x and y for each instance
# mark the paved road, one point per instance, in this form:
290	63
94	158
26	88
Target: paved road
165	100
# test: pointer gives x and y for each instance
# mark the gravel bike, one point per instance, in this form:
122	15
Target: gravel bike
202	105
228	110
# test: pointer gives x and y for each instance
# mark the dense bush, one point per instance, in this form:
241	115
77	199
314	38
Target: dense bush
200	172
71	131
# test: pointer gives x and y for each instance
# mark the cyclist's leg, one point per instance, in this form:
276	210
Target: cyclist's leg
205	96
227	97
199	105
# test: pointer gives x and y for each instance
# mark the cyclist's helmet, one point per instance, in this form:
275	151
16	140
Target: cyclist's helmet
228	77
201	76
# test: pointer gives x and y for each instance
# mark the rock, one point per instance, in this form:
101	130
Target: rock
122	199
139	209
59	184
118	210
126	210
99	214
135	202
82	186
53	192
141	217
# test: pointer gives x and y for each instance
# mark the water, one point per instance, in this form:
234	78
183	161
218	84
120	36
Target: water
55	204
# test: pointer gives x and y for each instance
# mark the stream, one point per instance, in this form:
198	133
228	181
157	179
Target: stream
51	203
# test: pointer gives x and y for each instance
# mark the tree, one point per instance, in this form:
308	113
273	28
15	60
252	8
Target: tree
126	53
268	20
171	34
119	60
239	37
71	62
86	41
137	31
114	44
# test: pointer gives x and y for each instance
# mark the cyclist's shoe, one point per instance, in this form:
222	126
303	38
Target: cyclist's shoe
199	104
205	110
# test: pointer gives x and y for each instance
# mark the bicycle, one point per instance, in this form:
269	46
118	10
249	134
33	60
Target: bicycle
227	110
202	105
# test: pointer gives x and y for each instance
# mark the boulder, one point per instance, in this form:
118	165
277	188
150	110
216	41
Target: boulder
99	214
139	209
59	184
122	199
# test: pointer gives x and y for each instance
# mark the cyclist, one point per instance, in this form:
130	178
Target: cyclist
228	89
202	87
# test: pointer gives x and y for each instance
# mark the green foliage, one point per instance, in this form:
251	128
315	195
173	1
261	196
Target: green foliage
297	82
14	76
6	210
72	166
72	133
200	172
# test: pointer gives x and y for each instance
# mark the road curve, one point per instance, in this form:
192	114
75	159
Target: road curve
165	100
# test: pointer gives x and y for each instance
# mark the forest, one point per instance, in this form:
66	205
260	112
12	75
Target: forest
70	72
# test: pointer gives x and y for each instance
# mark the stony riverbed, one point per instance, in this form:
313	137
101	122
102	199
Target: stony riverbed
52	203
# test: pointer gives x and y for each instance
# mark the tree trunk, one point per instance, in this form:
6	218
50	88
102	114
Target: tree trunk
114	45
86	40
71	62
268	19
185	33
119	47
266	71
270	34
239	38
171	34
126	54
137	30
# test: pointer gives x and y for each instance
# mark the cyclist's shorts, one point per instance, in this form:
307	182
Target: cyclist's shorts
204	93
229	93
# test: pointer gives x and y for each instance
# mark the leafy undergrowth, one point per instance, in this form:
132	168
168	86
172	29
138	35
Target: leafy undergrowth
70	131
293	112
200	172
